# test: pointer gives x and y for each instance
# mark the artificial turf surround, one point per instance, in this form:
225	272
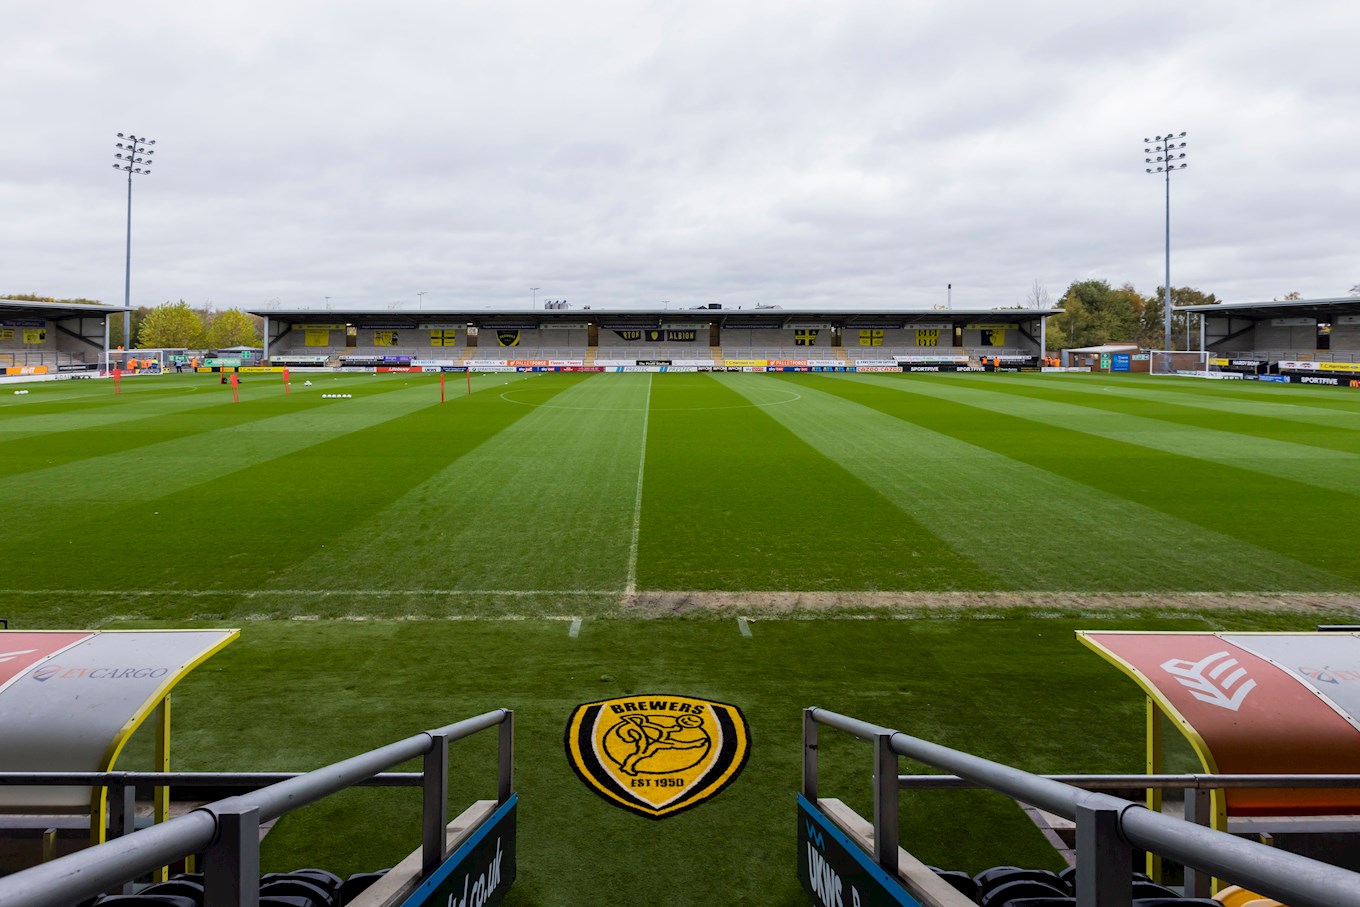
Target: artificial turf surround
393	564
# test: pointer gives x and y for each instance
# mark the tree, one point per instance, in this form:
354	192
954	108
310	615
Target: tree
1038	297
170	326
232	328
1152	333
1355	290
1096	313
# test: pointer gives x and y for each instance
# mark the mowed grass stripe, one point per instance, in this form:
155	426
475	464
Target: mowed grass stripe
733	500
1278	406
1238	441
232	521
70	406
202	445
545	502
1261	511
1033	528
143	422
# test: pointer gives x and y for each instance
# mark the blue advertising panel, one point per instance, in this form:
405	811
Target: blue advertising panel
1119	362
479	873
836	872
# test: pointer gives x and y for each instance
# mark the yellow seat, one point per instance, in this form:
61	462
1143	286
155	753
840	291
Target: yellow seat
1237	896
1264	902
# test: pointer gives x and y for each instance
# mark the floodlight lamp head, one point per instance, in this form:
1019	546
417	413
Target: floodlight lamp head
1181	136
153	141
1147	140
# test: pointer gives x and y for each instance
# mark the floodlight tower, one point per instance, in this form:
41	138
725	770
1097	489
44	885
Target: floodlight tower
1169	157
133	157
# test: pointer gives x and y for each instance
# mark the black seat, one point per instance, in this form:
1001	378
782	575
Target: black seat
284	901
1022	888
319	877
181	887
1145	890
989	879
1043	902
357	884
296	887
961	881
1069	878
145	900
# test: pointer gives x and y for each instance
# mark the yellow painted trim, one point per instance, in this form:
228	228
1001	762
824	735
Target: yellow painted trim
99	795
161	808
1154	762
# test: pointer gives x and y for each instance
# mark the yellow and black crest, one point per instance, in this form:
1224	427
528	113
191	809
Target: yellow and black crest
805	337
657	755
507	338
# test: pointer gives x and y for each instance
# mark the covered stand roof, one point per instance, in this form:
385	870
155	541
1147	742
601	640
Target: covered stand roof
1276	308
58	310
1255	703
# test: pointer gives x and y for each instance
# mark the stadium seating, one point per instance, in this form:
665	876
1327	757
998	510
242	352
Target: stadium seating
1236	896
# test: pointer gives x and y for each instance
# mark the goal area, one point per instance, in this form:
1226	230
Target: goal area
1178	362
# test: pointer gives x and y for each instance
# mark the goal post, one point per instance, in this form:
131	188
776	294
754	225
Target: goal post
1178	362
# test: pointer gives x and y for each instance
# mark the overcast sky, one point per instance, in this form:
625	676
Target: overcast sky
633	153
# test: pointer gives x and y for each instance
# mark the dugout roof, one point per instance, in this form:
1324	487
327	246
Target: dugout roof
1321	309
1253	703
71	700
530	319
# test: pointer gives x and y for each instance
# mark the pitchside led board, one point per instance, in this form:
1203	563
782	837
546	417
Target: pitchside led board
1253	703
69	702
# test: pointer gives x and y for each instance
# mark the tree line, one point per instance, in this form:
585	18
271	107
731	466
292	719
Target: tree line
1094	312
172	325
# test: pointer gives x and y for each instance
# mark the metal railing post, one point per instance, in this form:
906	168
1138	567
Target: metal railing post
231	864
885	803
1198	810
434	814
122	800
505	756
809	756
1104	859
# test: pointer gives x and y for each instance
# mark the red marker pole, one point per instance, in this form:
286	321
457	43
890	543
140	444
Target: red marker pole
117	381
286	389
235	392
441	387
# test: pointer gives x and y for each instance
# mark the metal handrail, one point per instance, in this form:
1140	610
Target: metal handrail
253	780
1156	782
1106	826
216	830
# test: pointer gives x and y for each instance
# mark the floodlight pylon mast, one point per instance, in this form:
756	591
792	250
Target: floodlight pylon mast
1169	157
135	157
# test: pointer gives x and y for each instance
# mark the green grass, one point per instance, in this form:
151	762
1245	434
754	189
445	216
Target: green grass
346	536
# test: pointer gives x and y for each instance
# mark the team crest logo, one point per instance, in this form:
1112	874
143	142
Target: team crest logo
507	338
657	755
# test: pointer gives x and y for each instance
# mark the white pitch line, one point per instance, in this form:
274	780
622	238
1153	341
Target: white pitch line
744	626
575	629
631	586
305	593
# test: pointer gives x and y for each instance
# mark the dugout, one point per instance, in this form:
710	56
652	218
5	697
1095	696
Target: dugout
54	338
1313	341
71	701
1255	704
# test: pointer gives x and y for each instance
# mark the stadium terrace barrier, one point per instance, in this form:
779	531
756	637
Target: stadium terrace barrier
227	832
1108	828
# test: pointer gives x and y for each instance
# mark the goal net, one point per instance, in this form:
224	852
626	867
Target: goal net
1178	362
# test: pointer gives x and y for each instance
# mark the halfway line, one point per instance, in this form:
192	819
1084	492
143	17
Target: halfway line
631	586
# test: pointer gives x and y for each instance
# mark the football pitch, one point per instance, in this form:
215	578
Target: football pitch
912	550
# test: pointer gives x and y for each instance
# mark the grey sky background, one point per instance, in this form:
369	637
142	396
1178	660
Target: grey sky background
630	153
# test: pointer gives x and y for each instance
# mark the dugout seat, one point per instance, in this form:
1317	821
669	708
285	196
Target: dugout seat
1236	896
990	879
1003	894
1042	902
1069	878
297	887
144	900
181	888
961	881
358	883
328	881
1145	890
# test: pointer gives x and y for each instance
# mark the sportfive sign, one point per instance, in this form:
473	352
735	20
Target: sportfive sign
657	755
